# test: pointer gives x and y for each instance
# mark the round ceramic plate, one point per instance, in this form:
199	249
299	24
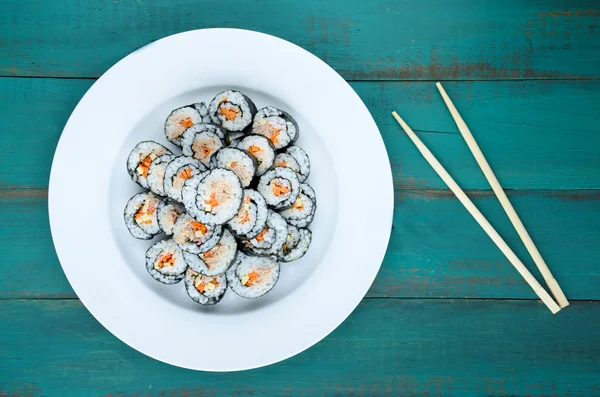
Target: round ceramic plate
89	187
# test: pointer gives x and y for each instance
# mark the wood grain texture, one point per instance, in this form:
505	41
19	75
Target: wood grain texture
389	348
535	134
428	255
382	39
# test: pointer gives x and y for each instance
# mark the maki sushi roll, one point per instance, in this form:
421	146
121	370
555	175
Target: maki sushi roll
205	290
177	172
232	109
168	213
238	161
156	174
140	159
218	197
296	159
216	260
252	276
302	211
280	187
165	263
251	217
189	192
296	244
202	141
195	237
180	120
271	239
261	148
276	125
140	215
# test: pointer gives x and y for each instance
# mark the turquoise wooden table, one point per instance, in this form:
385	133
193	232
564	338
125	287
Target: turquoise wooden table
447	314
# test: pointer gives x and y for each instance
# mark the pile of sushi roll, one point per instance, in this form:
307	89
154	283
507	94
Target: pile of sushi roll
232	207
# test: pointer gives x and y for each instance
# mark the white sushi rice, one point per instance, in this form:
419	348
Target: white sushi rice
164	262
195	237
140	159
216	260
178	121
259	147
156	174
302	243
240	278
201	142
279	186
168	213
140	215
300	209
302	160
205	290
203	110
238	161
177	172
232	109
219	197
255	207
275	125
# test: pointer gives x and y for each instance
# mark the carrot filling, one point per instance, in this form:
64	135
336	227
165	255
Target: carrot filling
199	229
142	216
185	174
278	189
261	235
254	149
298	204
166	260
202	284
144	165
275	136
212	201
281	164
230	114
187	122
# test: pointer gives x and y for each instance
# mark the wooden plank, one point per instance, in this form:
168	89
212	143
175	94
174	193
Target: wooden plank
386	348
382	40
535	134
436	248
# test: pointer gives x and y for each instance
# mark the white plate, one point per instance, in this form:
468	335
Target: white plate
89	187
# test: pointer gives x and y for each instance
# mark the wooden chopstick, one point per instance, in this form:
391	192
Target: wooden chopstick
508	208
487	227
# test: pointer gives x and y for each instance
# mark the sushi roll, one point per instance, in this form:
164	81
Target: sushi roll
216	260
195	237
276	125
177	172
251	217
252	276
218	197
232	109
232	137
205	290
280	187
261	148
240	162
141	215
296	244
180	120
168	213
302	211
271	239
156	174
202	141
140	159
203	110
296	159
165	263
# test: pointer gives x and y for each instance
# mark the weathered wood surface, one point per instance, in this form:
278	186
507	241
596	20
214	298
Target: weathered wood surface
436	249
382	40
535	134
387	347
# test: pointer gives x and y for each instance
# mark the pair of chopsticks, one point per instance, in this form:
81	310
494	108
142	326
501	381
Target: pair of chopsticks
506	205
